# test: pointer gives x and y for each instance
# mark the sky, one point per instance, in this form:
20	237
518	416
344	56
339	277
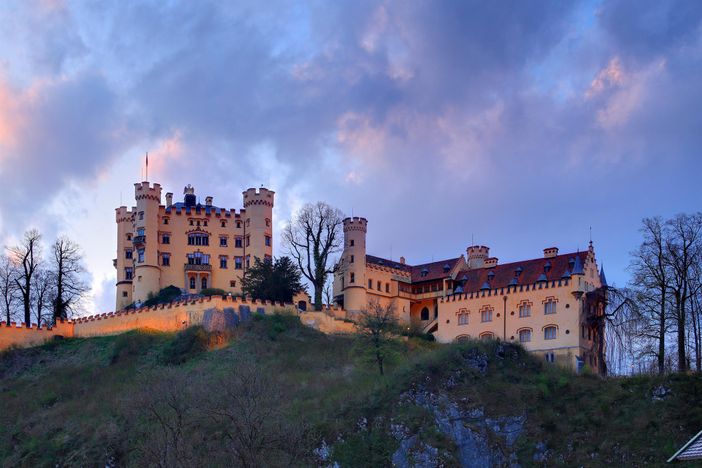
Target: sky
520	125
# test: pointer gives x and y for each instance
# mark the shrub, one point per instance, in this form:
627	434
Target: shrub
167	294
185	345
213	292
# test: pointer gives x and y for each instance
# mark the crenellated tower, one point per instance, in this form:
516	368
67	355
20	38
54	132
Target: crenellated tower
145	239
124	262
477	256
258	224
354	262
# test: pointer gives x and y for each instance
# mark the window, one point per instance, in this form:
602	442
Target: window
486	315
204	282
387	287
550	333
129	237
237	242
268	241
166	239
128	254
232	284
238	224
198	258
237	263
463	318
223	224
128	273
351	243
198	239
141	215
370	284
268	222
140	255
124	294
353	278
487	336
524	336
140	231
525	310
248	241
550	357
222	241
378	286
191	223
352	259
166	259
549	307
192	282
223	262
165	220
424	314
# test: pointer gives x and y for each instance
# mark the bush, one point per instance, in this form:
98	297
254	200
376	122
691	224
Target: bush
130	344
164	296
185	345
213	292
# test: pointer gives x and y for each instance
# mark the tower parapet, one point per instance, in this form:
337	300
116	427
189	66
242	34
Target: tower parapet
477	256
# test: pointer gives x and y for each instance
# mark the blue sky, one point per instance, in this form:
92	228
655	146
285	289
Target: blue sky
520	124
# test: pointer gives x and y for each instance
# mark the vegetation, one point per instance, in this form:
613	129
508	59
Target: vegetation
278	393
164	296
376	326
312	237
274	280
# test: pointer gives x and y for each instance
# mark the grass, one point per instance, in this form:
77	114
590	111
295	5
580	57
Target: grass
81	401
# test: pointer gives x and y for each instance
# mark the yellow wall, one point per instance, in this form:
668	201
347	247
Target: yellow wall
13	336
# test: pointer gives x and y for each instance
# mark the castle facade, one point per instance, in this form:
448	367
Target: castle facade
548	304
187	244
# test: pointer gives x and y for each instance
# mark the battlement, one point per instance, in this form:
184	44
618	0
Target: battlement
203	210
477	256
260	196
143	190
18	335
355	224
124	215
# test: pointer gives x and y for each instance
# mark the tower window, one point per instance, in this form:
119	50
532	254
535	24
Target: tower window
166	259
237	242
351	260
222	241
129	237
232	284
238	224
141	215
223	262
387	287
351	243
378	286
248	261
248	241
370	284
124	294
268	222
268	241
140	255
128	254
353	278
237	263
166	239
128	273
165	220
223	224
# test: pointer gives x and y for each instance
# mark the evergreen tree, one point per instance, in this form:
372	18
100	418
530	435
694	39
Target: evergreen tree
274	280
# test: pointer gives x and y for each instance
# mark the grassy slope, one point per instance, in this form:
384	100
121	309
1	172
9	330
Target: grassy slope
65	402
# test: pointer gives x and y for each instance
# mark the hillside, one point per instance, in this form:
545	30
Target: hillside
277	393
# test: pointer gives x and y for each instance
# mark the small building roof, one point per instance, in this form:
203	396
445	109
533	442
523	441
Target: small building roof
692	450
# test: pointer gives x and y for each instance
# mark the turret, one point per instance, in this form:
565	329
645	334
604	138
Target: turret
258	224
145	240
124	265
354	261
477	255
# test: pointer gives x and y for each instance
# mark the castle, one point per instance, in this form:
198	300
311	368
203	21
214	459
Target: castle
548	303
188	244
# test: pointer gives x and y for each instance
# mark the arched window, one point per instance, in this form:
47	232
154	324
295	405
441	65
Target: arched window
550	332
463	318
425	314
525	309
462	338
549	307
525	335
487	336
192	282
204	282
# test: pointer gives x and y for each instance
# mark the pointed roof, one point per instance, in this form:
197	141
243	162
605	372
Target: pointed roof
578	266
603	278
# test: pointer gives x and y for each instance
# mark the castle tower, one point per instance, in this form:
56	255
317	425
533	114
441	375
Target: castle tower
477	255
354	261
258	225
147	274
123	262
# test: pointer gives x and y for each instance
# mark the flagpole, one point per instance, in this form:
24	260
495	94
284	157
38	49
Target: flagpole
147	166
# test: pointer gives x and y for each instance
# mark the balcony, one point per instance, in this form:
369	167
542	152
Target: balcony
139	240
201	267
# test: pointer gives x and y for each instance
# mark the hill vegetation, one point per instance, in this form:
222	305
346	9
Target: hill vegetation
277	393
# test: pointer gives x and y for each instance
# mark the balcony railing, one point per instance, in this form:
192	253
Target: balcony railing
195	267
139	240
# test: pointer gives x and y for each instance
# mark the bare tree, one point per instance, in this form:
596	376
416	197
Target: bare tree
67	265
27	255
43	290
376	325
8	287
650	280
683	253
312	237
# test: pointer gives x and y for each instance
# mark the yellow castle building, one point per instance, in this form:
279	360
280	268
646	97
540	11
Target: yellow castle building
187	244
548	304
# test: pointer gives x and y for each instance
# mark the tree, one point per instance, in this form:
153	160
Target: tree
376	325
27	255
8	288
312	237
67	264
271	280
43	290
650	280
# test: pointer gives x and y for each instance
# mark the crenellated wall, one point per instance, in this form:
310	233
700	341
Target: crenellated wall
169	317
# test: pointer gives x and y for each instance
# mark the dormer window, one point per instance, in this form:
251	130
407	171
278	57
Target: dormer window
491	275
547	267
447	267
424	272
518	271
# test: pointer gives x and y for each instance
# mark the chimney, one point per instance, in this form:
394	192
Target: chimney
402	260
550	252
490	262
208	201
169	199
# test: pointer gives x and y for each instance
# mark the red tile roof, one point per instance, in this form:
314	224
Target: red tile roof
435	270
531	271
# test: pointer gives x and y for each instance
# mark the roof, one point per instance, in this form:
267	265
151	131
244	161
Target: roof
434	270
692	450
531	272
